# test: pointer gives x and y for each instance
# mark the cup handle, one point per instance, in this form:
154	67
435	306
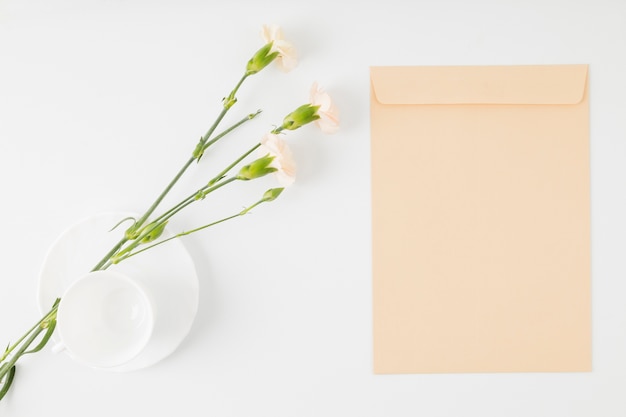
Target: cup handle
59	347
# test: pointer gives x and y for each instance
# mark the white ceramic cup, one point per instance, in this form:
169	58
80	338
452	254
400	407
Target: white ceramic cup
105	319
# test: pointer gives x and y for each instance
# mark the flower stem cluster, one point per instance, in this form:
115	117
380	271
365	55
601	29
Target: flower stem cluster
149	231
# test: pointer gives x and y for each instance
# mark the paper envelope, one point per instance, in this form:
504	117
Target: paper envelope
481	219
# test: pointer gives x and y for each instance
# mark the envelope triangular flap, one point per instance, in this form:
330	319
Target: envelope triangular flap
524	84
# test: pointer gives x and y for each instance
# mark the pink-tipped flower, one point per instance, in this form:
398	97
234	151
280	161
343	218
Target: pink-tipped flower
328	120
320	110
283	161
287	58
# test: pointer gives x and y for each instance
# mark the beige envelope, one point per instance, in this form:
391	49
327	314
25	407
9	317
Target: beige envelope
481	219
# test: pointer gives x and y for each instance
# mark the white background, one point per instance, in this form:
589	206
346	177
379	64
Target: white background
101	101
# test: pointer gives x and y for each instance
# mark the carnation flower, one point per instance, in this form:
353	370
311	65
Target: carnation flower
287	58
328	121
283	159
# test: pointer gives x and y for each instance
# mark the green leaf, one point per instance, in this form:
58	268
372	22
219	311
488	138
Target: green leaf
122	221
7	382
52	324
199	150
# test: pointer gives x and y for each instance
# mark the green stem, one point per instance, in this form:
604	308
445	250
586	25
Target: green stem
103	263
16	344
230	129
167	189
206	190
197	229
123	254
6	367
27	339
48	315
203	145
231	100
181	234
189	200
231	166
113	251
243	78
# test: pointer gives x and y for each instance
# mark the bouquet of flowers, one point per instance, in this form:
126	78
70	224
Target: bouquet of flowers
146	231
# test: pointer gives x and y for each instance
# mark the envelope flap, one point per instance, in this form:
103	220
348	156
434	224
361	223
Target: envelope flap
528	84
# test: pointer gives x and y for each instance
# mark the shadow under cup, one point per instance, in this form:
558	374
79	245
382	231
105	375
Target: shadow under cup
105	319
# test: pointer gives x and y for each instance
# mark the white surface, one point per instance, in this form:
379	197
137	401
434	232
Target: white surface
100	101
167	272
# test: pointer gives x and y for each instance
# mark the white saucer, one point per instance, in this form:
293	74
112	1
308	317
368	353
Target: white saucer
169	267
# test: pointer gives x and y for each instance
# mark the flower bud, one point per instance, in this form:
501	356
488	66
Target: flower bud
261	59
300	116
272	194
155	233
256	169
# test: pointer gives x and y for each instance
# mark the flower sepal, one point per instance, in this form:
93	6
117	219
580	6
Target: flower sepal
156	230
301	116
261	59
257	169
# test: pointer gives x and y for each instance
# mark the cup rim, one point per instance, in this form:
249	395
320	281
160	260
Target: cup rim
150	317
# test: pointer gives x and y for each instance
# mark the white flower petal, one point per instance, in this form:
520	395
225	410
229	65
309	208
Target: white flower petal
287	56
329	116
283	158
